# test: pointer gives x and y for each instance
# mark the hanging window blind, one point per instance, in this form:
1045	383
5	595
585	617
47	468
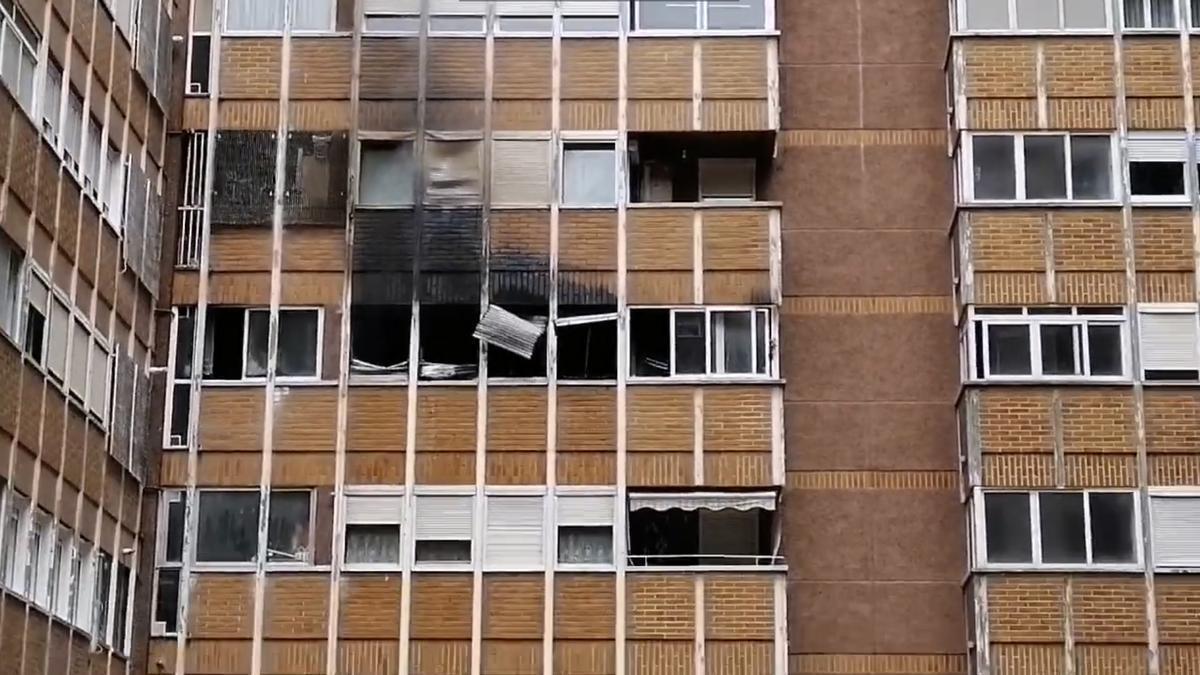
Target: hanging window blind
374	509
1168	341
521	172
1157	148
591	8
526	8
391	6
514	537
444	517
585	510
1176	531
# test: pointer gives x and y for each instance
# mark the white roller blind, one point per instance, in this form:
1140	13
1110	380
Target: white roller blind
525	8
585	510
392	6
590	8
1176	531
1168	341
521	172
374	509
444	517
1157	148
457	7
56	338
514	535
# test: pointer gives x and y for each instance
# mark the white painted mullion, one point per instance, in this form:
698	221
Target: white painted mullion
979	518
1083	351
1035	348
986	327
1087	526
1068	153
1035	526
172	355
1019	165
1012	14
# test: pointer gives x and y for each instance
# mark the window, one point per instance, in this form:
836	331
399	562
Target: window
520	172
1158	168
443	530
289	532
169	559
1168	343
457	16
18	54
120	610
99	382
1149	14
1038	167
228	527
83	588
101	617
35	540
94	159
589	173
180	401
73	131
198	64
11	269
1031	15
700	342
267	15
514	536
379	339
727	180
35	319
1048	342
373	529
453	172
10	532
585	530
587	342
58	331
236	343
386	171
80	349
596	16
113	190
701	529
1048	529
391	16
525	16
1175	520
715	15
51	102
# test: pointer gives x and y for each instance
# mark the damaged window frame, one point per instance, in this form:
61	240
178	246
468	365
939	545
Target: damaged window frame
439	197
538	322
397	373
586	321
768	341
757	502
247	311
378	139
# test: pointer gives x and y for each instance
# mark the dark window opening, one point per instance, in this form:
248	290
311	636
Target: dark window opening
181	413
677	537
379	339
449	350
185	329
224	337
1156	179
288	533
166	604
587	351
1172	375
436	551
120	608
35	334
198	70
505	363
228	527
694	167
1009	537
650	342
174	544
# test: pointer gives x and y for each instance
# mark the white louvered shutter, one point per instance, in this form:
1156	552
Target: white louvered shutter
374	509
391	6
1157	148
585	511
591	8
521	172
1168	341
471	7
526	8
444	517
1176	531
514	537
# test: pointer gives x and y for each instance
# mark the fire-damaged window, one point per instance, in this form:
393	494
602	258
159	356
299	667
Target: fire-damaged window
516	339
236	343
701	341
587	342
385	173
379	339
692	167
453	171
668	529
244	178
449	350
227	529
315	178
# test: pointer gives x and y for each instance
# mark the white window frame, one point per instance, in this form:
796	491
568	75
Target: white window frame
569	492
1189	182
1147	15
769	341
1020	316
1165	308
443	566
980	553
316	377
173	381
402	522
165	499
960	28
11	541
84	598
966	168
585	138
1170	493
12	271
226	30
701	26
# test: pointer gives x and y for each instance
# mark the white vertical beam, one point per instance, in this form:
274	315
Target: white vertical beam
551	501
619	521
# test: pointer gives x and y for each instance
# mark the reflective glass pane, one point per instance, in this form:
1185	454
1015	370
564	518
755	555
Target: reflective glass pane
1008	350
994	167
1062	528
1009	538
1112	527
1045	167
1091	168
689	343
1058	350
1104	350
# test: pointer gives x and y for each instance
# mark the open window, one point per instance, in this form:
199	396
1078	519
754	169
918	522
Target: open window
585	530
449	350
587	342
180	393
168	561
704	341
36	309
379	339
668	529
373	529
516	340
1158	168
236	342
1169	340
443	531
697	167
1057	529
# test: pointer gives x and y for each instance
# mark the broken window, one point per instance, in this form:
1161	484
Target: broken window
385	174
373	528
1157	168
449	350
587	342
516	340
315	178
443	530
589	173
289	535
379	339
701	341
689	529
453	171
696	167
1058	528
236	342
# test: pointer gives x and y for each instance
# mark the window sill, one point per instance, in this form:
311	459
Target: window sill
1055	381
768	569
1094	569
446	567
698	32
326	33
279	381
354	568
363	379
1009	32
1039	203
1168	569
1176	201
584	567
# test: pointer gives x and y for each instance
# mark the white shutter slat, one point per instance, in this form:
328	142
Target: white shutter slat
514	533
1176	531
525	8
521	172
471	7
1168	341
585	510
590	8
442	517
1157	149
374	509
392	6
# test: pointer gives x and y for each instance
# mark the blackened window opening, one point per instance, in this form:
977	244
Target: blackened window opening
449	350
379	338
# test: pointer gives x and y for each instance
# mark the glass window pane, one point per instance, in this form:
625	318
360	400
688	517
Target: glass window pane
1104	350
256	343
166	604
1045	167
1008	350
443	551
228	527
1112	527
1009	537
589	174
174	545
297	343
678	14
1091	169
456	24
1084	14
994	167
1153	179
386	174
392	24
1058	350
525	24
1062	528
1162	13
986	14
590	24
736	14
1135	13
731	342
1037	14
180	413
585	545
287	527
373	544
689	343
760	365
312	15
250	15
